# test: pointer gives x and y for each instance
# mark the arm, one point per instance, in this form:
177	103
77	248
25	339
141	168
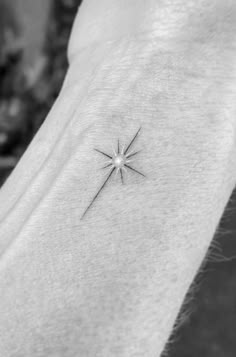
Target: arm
112	284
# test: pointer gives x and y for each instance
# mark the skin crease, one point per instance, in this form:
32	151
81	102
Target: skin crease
112	284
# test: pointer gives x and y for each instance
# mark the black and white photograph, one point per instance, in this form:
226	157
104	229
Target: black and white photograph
117	178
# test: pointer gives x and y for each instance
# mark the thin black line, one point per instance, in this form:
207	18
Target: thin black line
104	183
130	155
121	175
105	166
101	152
135	136
118	147
131	168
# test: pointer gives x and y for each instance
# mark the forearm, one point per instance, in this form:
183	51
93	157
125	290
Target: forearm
157	232
117	278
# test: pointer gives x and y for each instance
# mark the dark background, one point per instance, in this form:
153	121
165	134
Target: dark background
32	67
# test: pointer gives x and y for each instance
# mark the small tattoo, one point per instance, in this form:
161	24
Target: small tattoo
118	162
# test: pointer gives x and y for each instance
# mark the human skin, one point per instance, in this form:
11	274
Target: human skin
113	283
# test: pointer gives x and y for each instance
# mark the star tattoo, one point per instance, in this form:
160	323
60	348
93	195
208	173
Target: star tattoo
118	163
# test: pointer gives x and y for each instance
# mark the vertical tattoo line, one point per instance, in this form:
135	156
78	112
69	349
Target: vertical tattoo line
103	185
121	176
132	141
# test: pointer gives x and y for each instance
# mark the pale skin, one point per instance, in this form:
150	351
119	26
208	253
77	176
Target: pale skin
113	283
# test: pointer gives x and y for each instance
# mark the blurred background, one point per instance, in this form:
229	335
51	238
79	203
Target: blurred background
33	43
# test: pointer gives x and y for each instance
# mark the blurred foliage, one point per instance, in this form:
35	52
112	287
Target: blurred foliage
27	94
